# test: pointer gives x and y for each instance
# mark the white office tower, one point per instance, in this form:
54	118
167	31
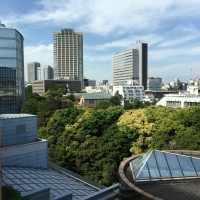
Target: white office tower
45	73
129	64
131	90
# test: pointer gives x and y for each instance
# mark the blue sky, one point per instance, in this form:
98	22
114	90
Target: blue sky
171	28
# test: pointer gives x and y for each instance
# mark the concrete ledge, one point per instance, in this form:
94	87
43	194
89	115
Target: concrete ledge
65	196
20	149
40	194
104	194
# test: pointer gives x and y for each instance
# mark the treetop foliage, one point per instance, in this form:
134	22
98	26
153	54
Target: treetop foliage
93	141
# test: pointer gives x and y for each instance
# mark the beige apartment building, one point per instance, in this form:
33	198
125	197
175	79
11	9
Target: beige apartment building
91	99
68	54
41	86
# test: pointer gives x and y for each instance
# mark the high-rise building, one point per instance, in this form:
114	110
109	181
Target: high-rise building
88	82
12	93
154	84
45	73
32	71
130	64
68	54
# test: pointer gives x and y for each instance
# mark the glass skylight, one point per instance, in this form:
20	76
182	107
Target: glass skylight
164	165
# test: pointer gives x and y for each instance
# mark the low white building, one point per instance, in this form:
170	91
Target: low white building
45	73
148	98
130	91
99	89
186	99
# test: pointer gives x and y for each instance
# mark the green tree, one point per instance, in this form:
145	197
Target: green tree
137	103
116	100
30	107
71	97
30	95
60	89
66	103
9	193
103	104
128	105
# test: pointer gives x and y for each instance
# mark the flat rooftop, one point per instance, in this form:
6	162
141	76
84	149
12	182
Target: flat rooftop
174	191
10	116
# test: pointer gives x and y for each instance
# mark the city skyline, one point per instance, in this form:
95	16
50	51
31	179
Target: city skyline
170	28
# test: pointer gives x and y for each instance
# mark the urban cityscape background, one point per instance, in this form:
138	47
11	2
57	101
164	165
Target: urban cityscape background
99	100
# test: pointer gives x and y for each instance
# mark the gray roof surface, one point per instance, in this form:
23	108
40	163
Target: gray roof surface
174	191
29	179
94	95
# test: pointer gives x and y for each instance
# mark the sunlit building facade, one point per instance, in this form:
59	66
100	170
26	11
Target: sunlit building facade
68	54
11	70
130	64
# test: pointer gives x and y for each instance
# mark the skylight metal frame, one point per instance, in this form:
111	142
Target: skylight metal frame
176	166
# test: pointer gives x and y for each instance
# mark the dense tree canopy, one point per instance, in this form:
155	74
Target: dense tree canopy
93	141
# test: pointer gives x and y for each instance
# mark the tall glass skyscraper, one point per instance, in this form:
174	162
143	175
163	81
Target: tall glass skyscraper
12	93
68	54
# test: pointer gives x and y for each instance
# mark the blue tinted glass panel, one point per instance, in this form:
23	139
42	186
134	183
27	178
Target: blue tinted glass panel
7	53
173	165
196	163
11	71
186	166
144	173
7	43
138	163
153	169
8	33
162	164
7	62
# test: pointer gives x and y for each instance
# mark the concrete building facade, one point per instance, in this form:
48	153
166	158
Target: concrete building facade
68	54
130	91
182	99
131	64
12	94
88	82
32	71
20	145
41	86
154	84
45	73
91	99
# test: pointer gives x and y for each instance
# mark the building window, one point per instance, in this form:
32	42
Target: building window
91	101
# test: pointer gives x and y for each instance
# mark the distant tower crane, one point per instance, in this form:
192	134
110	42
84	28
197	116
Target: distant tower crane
196	75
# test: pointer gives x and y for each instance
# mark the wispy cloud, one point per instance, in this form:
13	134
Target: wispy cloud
105	17
126	42
180	35
171	28
162	54
39	53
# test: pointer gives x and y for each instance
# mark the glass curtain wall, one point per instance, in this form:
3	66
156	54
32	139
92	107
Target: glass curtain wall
11	70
